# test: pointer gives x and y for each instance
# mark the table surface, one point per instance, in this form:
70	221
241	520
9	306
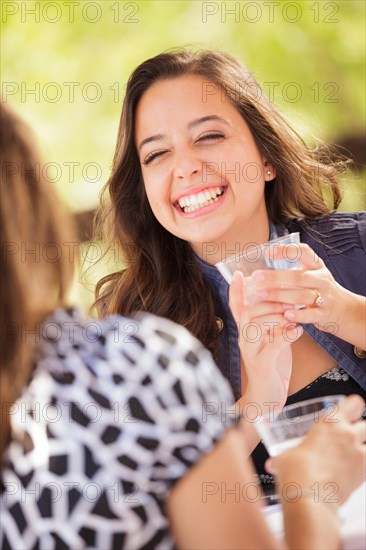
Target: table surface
352	517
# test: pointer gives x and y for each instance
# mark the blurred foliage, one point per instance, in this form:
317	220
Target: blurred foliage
65	65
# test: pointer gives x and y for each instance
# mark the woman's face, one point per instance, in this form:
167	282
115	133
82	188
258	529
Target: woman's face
203	173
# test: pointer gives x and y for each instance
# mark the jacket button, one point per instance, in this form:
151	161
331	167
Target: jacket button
359	352
219	324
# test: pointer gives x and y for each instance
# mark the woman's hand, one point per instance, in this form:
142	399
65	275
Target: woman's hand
326	303
330	461
265	339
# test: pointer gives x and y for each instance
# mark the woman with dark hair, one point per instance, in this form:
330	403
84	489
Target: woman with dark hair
103	439
204	167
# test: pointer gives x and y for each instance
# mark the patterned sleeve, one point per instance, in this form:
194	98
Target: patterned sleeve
181	405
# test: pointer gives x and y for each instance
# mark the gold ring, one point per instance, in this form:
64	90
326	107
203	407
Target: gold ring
319	301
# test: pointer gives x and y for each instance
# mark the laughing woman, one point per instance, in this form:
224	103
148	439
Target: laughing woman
205	166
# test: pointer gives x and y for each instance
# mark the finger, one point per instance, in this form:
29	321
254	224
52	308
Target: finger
303	296
311	282
311	315
262	308
253	310
360	429
270	330
264	323
352	408
236	294
291	332
270	466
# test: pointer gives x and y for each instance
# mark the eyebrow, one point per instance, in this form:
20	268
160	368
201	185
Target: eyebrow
192	124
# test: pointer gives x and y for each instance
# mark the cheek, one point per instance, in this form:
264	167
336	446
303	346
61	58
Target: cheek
157	199
252	172
249	170
246	153
149	187
156	189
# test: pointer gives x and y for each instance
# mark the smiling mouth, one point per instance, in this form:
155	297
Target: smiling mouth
190	203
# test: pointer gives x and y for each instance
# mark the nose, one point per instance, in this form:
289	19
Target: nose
186	164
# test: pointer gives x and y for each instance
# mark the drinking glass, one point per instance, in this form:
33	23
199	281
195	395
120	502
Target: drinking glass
261	257
283	429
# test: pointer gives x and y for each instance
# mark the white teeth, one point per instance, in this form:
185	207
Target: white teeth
184	201
190	203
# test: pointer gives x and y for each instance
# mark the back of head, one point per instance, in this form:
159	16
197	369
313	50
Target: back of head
35	270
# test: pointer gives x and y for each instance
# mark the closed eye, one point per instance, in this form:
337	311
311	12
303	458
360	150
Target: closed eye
151	156
213	136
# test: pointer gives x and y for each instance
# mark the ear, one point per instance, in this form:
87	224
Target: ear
269	171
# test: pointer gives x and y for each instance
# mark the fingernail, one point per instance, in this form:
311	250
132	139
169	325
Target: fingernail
287	306
289	315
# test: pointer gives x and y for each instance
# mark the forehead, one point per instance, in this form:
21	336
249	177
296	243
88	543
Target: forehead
179	100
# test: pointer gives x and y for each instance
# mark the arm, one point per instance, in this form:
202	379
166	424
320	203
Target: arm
319	525
208	508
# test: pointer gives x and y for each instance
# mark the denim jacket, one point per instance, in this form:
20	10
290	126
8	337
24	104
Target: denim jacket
340	240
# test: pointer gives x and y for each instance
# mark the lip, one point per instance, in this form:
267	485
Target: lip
205	209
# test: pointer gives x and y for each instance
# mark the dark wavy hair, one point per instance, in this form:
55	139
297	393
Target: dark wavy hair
160	274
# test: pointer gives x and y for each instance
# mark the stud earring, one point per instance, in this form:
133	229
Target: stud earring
268	172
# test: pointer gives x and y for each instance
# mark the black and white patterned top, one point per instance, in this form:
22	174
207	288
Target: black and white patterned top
116	412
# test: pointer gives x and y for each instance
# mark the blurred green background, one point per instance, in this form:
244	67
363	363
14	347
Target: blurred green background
65	65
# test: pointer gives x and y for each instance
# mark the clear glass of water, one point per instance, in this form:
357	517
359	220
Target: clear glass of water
283	429
261	257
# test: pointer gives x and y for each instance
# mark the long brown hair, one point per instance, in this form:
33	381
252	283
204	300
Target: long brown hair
161	275
34	279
